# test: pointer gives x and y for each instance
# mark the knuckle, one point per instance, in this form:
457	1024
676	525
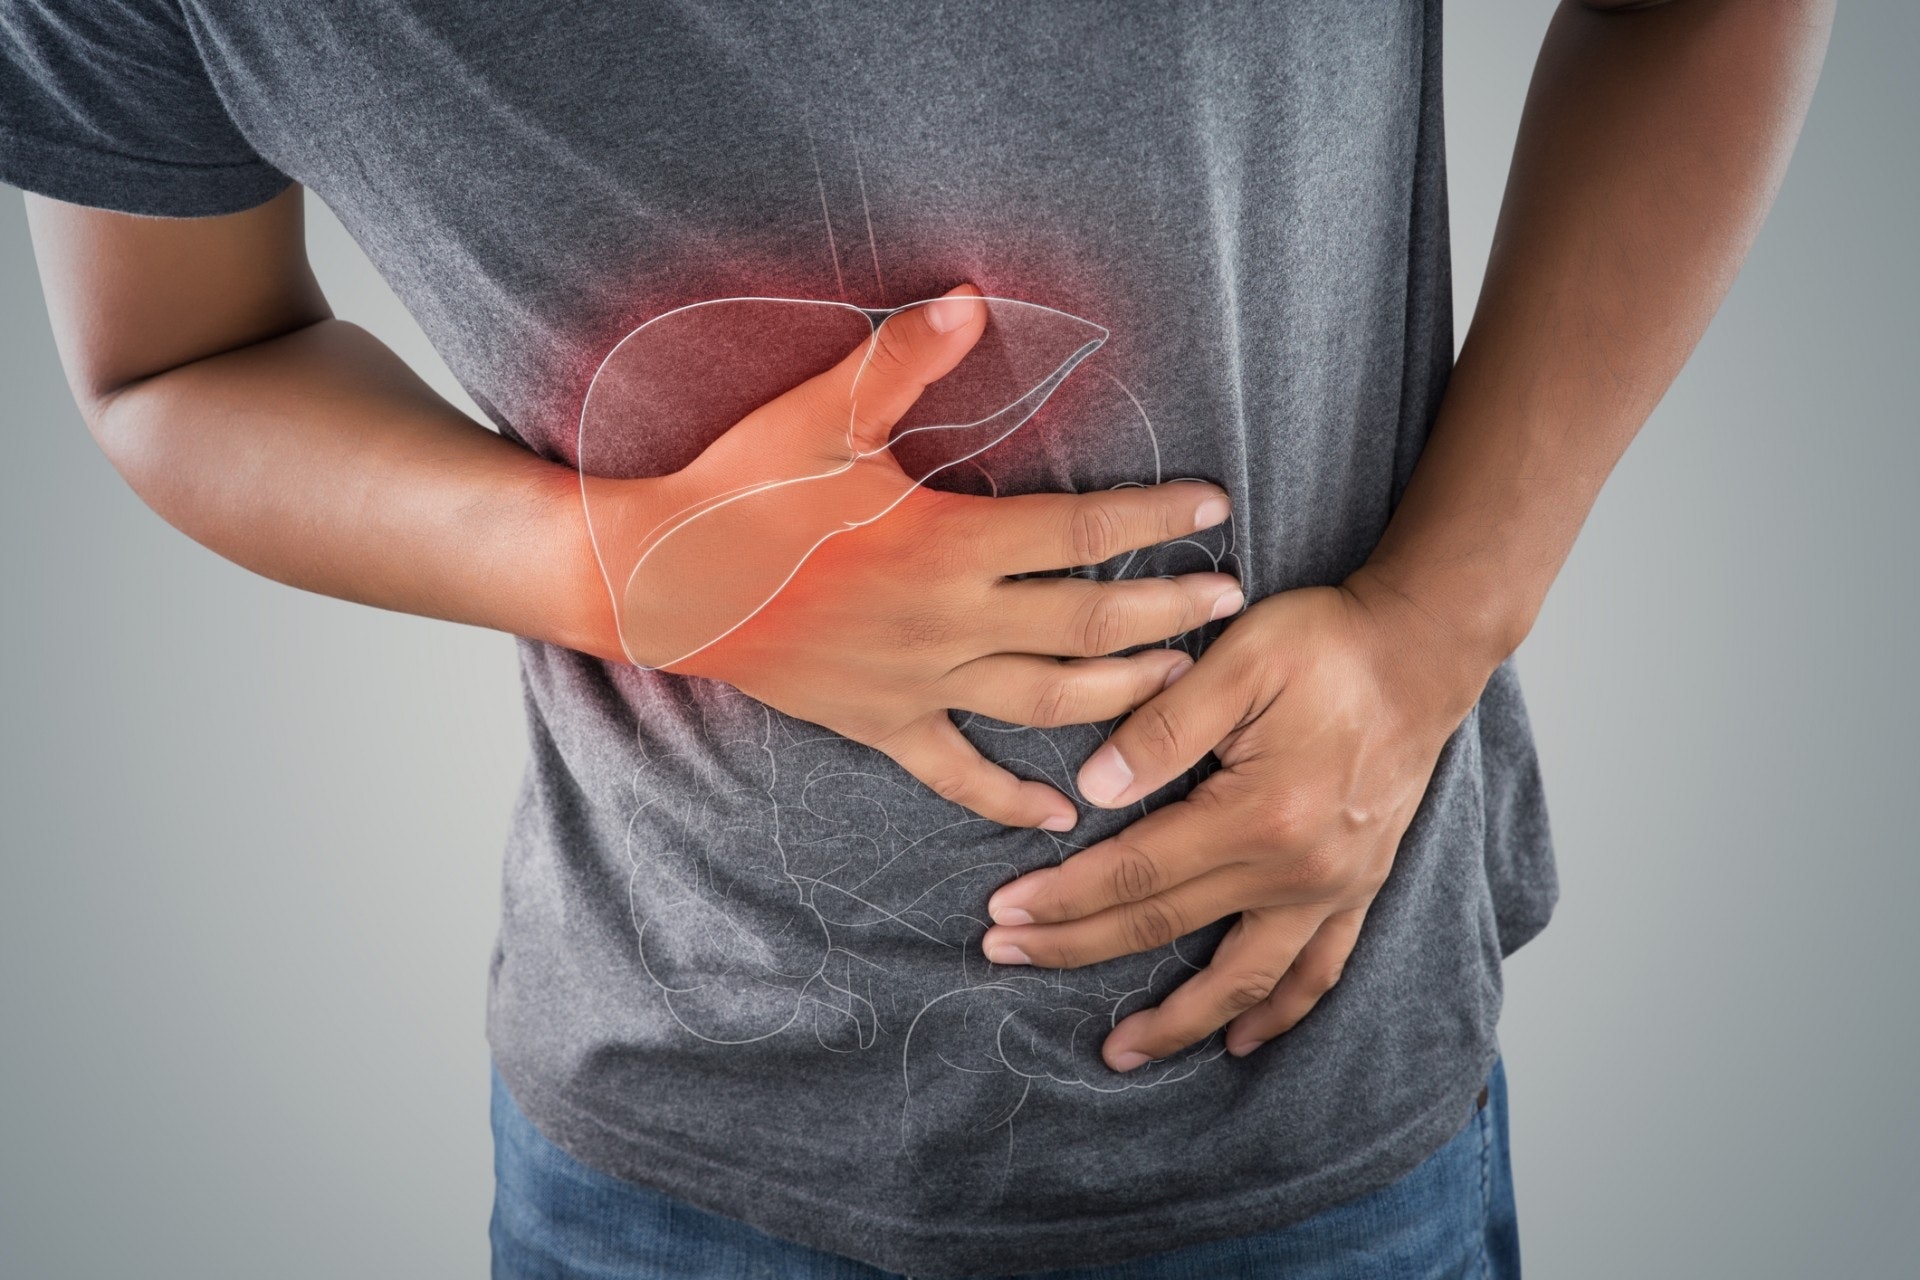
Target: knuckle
1247	990
1178	607
1156	730
1284	819
1134	875
1150	924
1094	531
1324	975
951	786
1056	703
1246	664
868	425
1102	624
1316	869
1173	516
892	351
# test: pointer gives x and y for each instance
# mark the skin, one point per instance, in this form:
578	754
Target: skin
891	623
1652	143
1654	138
210	371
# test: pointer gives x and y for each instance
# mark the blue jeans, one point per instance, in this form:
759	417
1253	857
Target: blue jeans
554	1218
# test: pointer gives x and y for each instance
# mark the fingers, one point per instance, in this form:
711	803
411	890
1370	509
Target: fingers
1128	929
1172	845
1314	972
1030	533
934	751
1169	735
1046	693
1077	617
1246	969
875	385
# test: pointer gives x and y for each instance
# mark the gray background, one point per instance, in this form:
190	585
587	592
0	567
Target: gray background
243	941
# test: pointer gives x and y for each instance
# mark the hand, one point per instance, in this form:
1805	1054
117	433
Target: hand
894	620
1327	708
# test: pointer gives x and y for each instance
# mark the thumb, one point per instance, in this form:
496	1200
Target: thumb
916	345
1167	735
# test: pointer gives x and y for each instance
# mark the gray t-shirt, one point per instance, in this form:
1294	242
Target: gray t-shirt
738	958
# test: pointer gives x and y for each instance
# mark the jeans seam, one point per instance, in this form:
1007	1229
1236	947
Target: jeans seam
1486	1187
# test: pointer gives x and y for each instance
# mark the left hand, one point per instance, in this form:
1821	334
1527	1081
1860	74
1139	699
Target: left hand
1327	707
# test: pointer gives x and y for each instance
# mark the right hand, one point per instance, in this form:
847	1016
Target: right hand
889	625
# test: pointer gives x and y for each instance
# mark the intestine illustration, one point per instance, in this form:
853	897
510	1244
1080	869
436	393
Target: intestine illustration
814	877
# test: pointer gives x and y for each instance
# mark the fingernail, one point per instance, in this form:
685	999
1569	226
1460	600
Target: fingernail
948	314
1007	953
1211	512
1244	1048
1007	913
1129	1060
1179	669
1228	605
1063	821
1104	776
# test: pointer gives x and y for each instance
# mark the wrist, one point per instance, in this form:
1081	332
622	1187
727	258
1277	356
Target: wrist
578	610
1445	637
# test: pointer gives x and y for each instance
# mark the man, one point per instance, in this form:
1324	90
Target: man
795	971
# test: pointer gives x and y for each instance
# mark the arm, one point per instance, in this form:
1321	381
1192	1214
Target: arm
216	380
1651	146
211	372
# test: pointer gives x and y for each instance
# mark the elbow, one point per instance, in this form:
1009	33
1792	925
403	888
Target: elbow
146	426
126	427
144	420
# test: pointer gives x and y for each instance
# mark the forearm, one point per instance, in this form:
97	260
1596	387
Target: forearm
320	460
1651	146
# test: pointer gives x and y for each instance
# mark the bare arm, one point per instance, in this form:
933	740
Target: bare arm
1652	144
217	382
1653	141
215	378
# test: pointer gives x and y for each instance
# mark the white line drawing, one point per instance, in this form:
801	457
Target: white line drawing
826	214
809	888
865	880
866	213
1000	423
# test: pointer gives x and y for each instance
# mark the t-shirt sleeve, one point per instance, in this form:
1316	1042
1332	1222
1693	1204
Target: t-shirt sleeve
107	103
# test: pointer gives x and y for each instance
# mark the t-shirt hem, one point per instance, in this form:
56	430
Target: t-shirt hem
130	184
915	1247
1524	922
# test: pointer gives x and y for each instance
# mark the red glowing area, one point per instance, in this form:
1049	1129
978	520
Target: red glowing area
723	444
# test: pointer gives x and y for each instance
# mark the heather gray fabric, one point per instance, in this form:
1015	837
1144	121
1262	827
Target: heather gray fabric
738	955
